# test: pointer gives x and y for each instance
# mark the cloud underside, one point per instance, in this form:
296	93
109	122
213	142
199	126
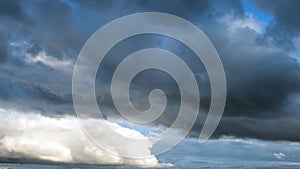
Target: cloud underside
260	61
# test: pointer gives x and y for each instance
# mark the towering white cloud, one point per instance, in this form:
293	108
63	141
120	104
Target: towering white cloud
39	137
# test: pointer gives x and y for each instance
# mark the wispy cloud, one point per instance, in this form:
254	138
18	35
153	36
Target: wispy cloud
279	156
64	65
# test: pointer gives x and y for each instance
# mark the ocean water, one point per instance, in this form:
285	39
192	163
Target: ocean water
199	165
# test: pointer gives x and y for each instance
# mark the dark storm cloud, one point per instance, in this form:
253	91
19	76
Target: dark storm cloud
3	48
28	29
8	10
285	24
11	9
28	97
259	80
266	129
262	85
55	31
263	91
263	80
286	13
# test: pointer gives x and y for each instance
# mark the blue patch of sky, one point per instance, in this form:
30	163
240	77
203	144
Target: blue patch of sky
257	13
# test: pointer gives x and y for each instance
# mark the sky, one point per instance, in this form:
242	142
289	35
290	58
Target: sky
258	43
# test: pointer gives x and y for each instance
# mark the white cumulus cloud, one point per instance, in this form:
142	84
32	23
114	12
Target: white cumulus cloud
33	136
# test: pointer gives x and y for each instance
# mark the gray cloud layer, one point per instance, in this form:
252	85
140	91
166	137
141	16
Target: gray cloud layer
263	79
